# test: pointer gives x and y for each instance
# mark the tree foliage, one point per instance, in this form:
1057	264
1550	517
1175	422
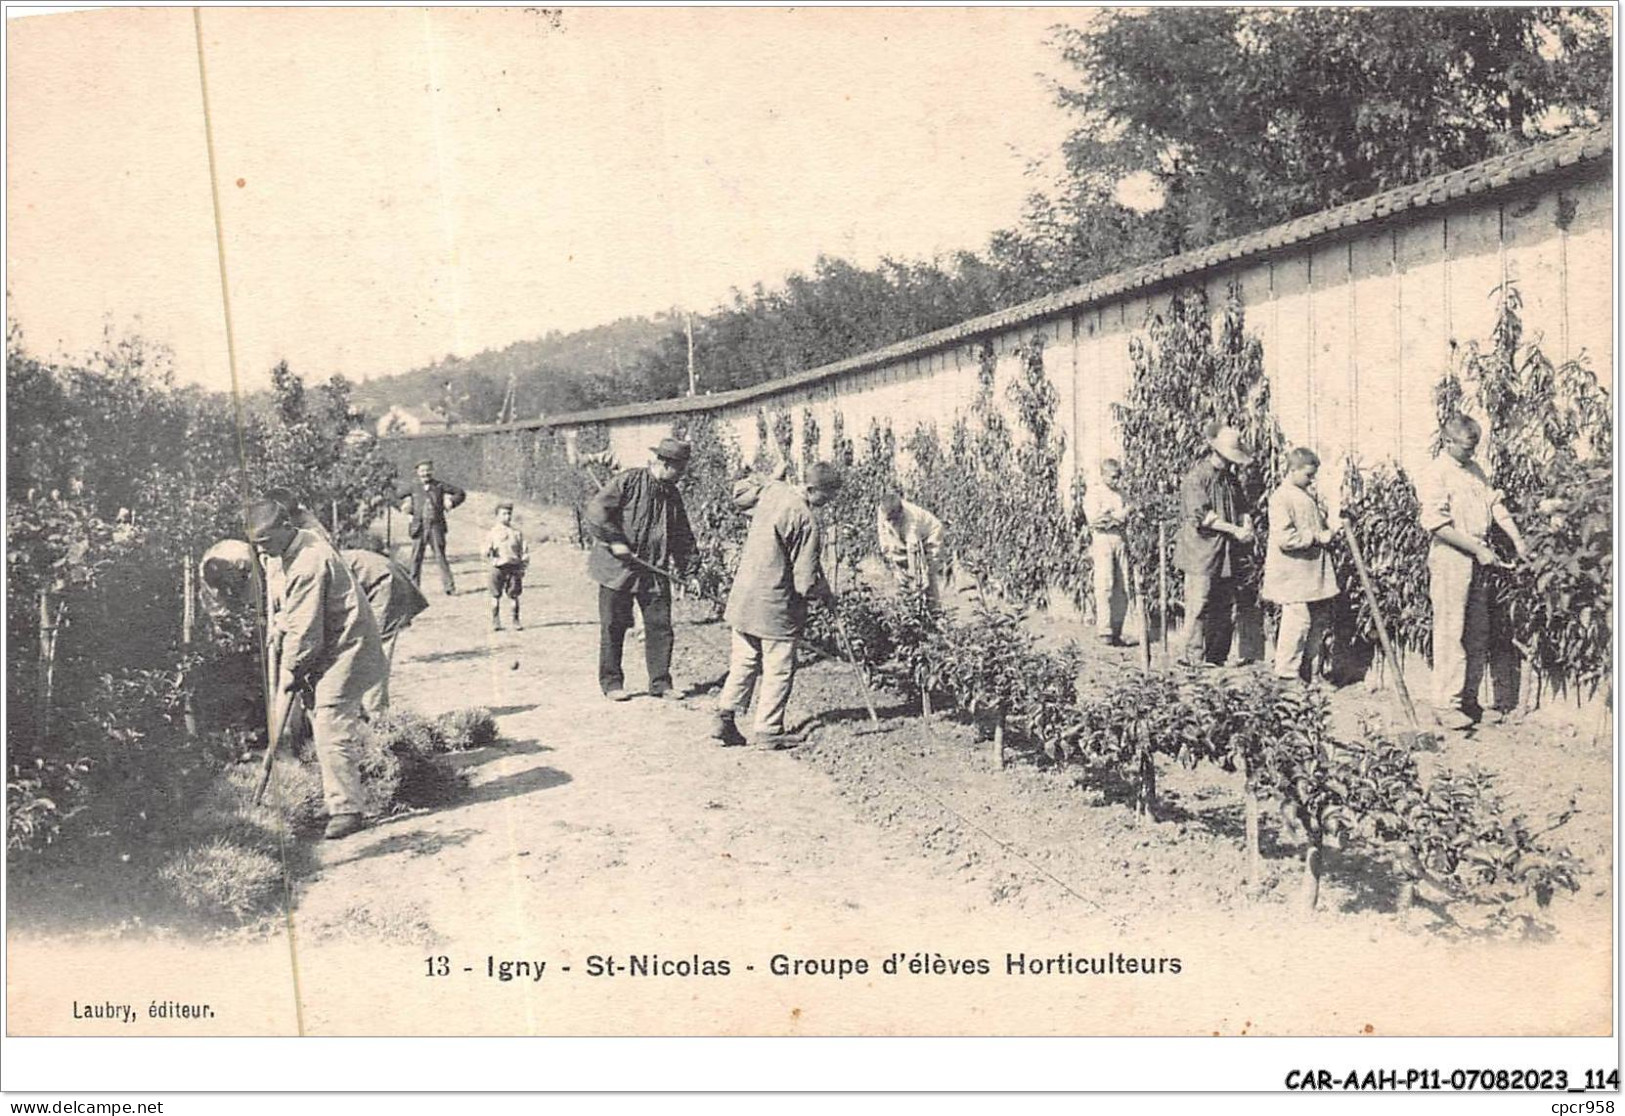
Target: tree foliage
1232	119
118	482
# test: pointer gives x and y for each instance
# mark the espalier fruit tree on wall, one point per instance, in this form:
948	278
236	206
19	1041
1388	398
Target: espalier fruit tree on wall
1548	445
1185	381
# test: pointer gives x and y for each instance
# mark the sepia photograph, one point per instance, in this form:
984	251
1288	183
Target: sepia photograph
812	522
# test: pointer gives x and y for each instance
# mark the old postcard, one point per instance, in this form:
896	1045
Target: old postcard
811	522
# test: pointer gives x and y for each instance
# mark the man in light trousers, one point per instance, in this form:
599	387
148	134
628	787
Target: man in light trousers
1459	507
1103	507
328	648
779	574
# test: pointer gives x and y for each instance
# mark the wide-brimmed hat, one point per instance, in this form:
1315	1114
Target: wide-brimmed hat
1227	444
673	450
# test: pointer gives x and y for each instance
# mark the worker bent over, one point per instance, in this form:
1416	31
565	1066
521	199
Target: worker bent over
779	573
328	648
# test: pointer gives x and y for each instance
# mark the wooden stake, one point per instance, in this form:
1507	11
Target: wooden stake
47	658
1382	628
188	618
1162	583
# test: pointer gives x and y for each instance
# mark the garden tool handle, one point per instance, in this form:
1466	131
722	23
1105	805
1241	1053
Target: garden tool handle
284	715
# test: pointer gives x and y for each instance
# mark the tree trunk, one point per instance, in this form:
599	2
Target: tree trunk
925	703
1145	803
1309	897
1406	898
998	740
1254	872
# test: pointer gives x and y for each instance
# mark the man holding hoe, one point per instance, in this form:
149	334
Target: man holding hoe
642	540
326	643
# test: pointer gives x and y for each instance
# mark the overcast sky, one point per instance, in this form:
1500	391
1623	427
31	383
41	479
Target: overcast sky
402	184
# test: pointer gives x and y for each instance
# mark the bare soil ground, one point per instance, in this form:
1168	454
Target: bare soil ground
620	831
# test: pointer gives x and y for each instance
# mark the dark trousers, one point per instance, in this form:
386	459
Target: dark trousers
615	620
433	537
1218	612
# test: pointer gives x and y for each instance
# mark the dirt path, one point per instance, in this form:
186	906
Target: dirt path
608	830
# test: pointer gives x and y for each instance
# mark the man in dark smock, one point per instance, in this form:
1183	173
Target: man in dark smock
1214	548
638	521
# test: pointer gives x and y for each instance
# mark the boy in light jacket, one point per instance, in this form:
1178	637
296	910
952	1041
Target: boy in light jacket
1298	572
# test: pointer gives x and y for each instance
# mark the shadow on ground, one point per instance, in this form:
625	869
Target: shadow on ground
418	842
521	782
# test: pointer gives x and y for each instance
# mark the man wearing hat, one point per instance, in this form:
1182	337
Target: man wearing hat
431	500
1214	546
639	526
779	574
328	647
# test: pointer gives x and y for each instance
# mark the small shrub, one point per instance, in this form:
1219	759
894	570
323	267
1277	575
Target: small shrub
411	732
465	729
402	769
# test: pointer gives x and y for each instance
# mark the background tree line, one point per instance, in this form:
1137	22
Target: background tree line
1193	125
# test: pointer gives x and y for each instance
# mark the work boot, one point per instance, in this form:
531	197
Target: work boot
726	732
774	741
340	826
1453	719
517	626
665	690
617	694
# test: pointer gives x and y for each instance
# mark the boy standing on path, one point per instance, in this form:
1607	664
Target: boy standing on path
1459	507
640	526
1108	553
779	573
431	500
1298	573
505	547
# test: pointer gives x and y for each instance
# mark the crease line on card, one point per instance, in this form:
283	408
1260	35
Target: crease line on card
242	461
448	234
448	224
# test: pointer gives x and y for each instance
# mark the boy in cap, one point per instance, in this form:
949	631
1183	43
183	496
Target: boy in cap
1298	572
642	539
779	573
1458	507
1214	546
328	649
505	547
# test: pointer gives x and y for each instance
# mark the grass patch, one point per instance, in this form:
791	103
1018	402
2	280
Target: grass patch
222	877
